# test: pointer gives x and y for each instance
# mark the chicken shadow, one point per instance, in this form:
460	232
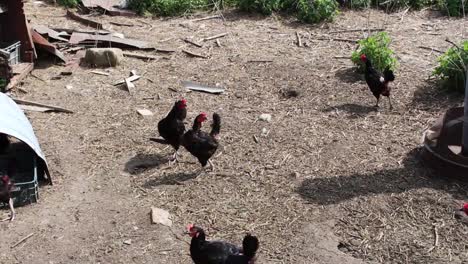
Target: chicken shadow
354	109
170	179
349	75
143	162
413	175
432	97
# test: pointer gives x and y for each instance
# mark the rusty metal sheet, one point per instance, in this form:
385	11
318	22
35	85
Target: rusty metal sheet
76	38
43	30
86	21
42	43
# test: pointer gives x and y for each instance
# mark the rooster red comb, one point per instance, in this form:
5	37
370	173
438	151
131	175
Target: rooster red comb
5	178
363	57
465	208
183	101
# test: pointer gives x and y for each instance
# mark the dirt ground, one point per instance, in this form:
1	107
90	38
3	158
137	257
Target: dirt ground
331	180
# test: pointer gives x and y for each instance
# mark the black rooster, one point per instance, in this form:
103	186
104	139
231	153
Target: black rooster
220	252
172	128
5	194
378	82
201	144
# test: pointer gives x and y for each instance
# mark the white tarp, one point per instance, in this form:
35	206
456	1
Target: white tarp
14	123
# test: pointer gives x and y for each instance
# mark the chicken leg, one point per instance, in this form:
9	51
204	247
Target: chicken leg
390	102
12	211
377	104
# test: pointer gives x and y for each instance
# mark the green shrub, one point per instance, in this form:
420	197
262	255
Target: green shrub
266	7
68	3
395	5
453	7
360	4
451	67
167	7
314	11
376	48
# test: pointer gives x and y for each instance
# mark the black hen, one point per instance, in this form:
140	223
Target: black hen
172	128
219	252
4	143
5	194
378	83
201	144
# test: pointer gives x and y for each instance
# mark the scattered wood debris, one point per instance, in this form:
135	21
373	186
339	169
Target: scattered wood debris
207	18
431	49
215	37
298	39
357	30
193	42
202	88
122	24
140	56
100	73
22	240
53	108
193	54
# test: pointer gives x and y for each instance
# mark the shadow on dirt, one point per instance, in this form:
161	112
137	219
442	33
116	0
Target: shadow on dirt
143	162
431	97
354	109
413	175
170	179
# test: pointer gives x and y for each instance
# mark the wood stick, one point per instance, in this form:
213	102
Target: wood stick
139	56
194	54
193	43
56	108
431	49
215	37
121	24
298	38
261	61
165	50
356	30
22	240
453	43
218	43
207	18
338	39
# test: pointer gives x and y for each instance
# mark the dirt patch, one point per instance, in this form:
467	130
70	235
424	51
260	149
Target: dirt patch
326	154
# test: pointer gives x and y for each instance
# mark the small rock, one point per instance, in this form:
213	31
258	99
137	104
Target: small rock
127	242
68	87
160	216
264	131
103	57
265	117
144	112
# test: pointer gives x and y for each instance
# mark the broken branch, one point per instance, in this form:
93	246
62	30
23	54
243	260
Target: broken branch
207	18
298	38
193	43
215	37
194	54
22	240
431	49
55	108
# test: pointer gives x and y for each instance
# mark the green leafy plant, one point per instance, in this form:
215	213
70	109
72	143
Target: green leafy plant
68	3
167	7
314	11
451	69
376	48
266	7
360	4
454	7
396	5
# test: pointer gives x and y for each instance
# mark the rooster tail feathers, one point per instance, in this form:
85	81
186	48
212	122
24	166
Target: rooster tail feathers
216	126
250	246
388	75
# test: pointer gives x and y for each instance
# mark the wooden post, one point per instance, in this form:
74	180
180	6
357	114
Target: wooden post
465	119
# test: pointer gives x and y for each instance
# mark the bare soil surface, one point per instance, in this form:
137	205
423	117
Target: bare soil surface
330	180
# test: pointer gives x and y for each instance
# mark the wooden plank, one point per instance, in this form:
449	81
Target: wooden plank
194	54
54	108
131	79
140	56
